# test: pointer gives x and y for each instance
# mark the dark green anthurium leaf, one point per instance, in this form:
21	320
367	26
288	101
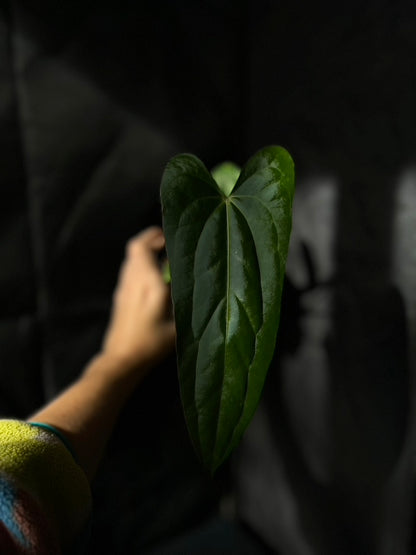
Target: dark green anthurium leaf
227	246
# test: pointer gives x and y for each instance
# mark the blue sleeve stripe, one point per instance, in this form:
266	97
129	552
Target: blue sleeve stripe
58	434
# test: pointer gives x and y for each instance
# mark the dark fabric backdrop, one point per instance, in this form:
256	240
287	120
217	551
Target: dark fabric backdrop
94	99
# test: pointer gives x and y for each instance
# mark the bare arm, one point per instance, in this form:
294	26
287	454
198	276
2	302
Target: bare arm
141	332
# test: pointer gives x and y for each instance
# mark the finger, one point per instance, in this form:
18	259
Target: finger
151	236
157	242
170	334
151	239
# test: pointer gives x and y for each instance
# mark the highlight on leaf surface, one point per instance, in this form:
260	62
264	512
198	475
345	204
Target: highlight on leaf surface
227	240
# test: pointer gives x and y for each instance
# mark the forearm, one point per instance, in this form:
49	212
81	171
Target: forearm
141	332
86	412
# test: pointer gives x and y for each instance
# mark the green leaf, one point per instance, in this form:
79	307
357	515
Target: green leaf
227	247
226	175
166	272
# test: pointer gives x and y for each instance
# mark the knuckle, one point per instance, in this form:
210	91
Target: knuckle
133	246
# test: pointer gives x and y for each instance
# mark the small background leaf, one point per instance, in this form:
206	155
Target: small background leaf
166	272
227	244
226	175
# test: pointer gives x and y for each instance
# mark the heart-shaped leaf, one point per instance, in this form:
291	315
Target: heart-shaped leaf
227	248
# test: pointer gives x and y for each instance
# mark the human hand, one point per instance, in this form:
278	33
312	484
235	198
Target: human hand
141	330
140	333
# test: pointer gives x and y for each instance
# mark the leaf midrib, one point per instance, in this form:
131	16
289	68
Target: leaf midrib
229	201
227	311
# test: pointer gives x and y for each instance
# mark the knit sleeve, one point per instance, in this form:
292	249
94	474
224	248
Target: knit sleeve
45	498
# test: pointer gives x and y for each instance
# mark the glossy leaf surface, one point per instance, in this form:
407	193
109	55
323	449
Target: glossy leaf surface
227	249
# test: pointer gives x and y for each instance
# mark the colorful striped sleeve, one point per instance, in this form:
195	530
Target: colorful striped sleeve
45	497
